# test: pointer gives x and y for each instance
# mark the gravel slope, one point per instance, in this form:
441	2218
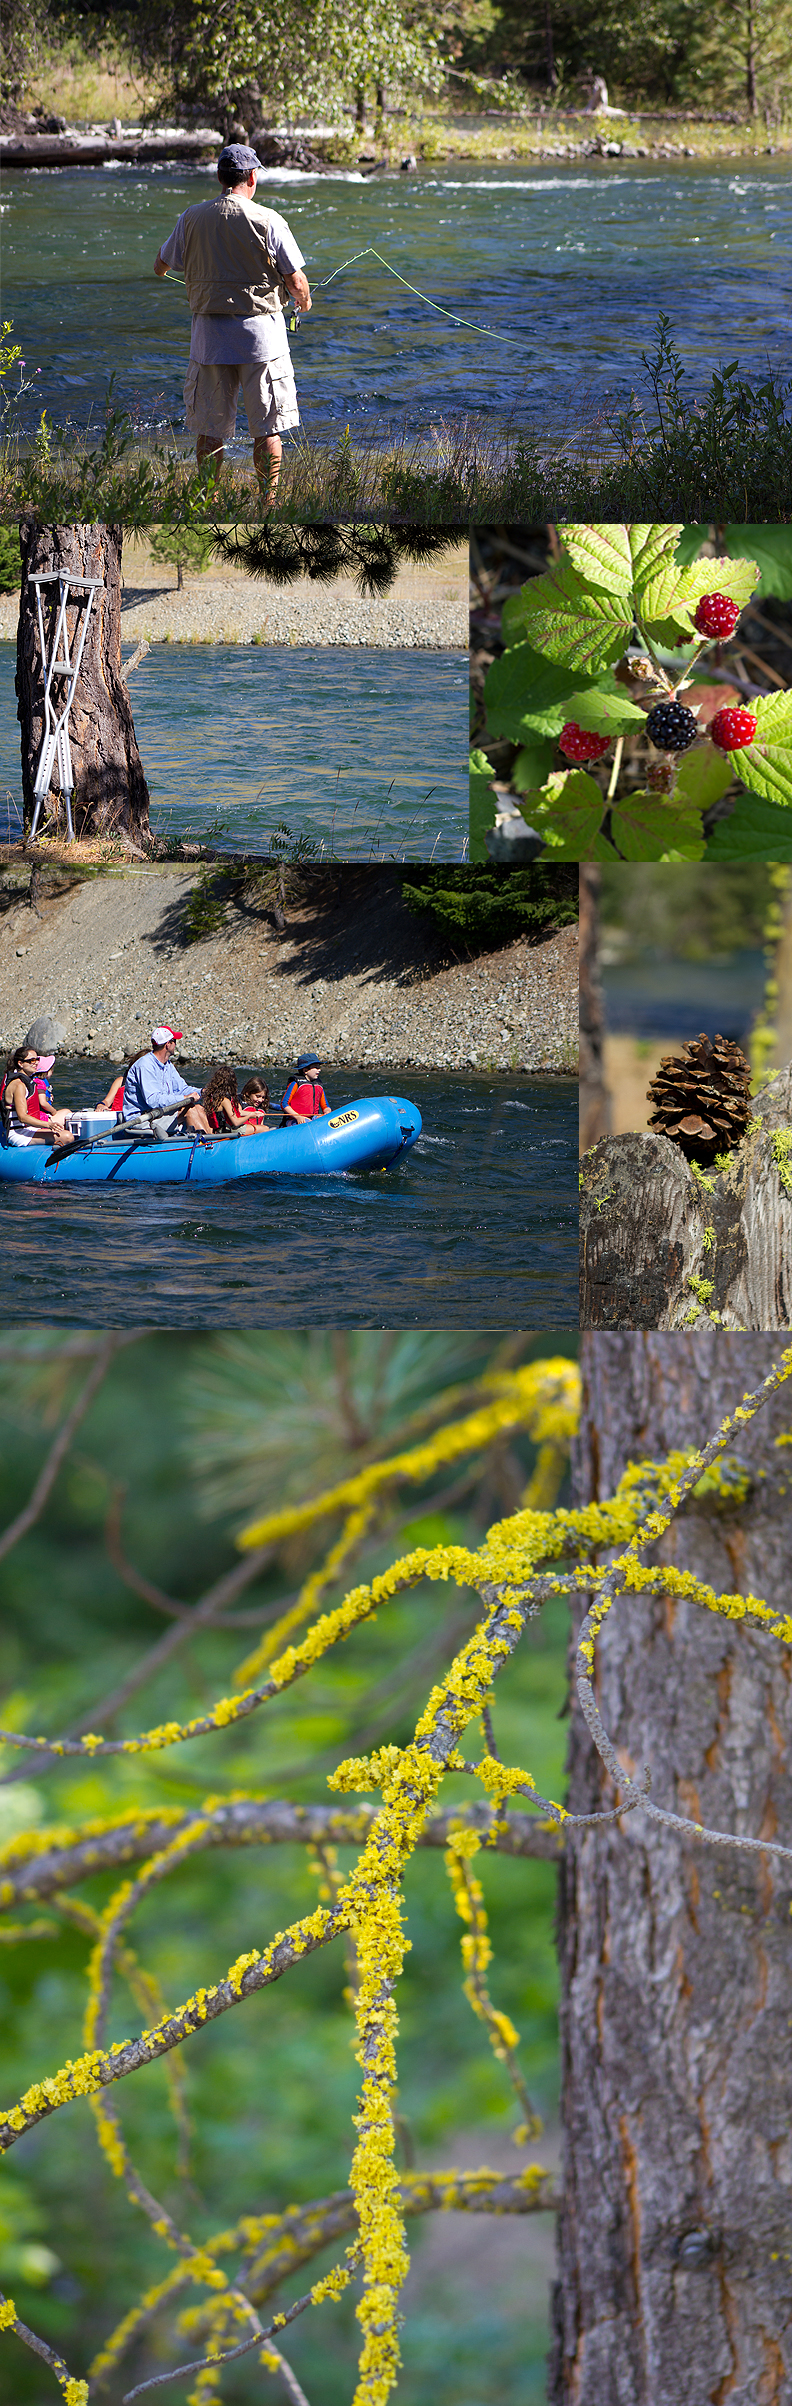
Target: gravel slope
360	978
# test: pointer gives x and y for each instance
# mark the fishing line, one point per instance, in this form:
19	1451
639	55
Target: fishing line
370	253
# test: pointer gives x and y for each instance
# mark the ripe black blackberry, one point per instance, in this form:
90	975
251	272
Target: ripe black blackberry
671	727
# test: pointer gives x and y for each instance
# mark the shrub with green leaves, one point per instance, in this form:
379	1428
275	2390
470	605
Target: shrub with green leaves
10	560
487	906
598	642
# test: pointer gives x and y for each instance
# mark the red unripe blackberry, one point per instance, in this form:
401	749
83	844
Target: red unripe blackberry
671	727
577	743
716	615
732	730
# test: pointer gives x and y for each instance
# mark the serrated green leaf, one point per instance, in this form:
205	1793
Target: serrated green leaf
690	542
601	555
604	710
525	694
651	547
482	805
703	775
513	616
576	624
567	811
647	825
757	830
773	715
532	766
771	547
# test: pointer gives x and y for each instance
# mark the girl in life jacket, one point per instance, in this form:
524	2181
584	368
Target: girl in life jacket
304	1098
223	1109
26	1101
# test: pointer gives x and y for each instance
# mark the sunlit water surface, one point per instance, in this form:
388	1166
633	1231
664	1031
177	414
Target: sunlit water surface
477	1228
566	267
364	753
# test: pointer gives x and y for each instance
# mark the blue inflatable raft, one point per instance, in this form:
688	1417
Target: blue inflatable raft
372	1134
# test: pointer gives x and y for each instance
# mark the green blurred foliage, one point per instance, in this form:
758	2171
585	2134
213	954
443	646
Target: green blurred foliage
195	1430
693	910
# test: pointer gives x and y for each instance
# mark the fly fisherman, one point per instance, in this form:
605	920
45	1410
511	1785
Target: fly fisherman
238	260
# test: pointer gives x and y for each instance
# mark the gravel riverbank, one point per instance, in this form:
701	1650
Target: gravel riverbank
426	609
353	971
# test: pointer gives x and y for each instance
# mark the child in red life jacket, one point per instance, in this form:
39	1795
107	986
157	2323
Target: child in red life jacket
254	1102
305	1098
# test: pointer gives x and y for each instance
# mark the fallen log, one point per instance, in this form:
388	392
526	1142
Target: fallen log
94	150
664	1244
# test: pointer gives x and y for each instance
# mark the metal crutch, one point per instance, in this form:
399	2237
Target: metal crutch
56	746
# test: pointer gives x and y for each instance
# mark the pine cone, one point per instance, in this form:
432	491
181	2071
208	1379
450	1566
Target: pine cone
702	1097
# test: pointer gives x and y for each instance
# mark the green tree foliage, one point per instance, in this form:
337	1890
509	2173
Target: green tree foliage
184	1435
489	905
183	547
291	55
693	910
10	560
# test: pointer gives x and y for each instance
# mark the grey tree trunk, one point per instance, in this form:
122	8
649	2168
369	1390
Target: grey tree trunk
595	1117
110	791
660	1248
675	2259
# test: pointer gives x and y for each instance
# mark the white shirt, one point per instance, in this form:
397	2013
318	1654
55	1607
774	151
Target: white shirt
231	341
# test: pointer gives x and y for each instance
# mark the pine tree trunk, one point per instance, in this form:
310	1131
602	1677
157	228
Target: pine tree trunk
110	791
594	1097
660	1248
675	2265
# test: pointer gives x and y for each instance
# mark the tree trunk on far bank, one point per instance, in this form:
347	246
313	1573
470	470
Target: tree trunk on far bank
595	1115
675	2264
110	791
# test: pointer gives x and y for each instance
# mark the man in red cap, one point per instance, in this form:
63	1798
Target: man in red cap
152	1084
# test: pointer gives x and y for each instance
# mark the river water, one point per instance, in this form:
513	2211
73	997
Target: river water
661	997
476	1229
571	263
363	752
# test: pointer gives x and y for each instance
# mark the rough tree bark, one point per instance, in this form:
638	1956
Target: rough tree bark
659	1248
675	2263
110	790
595	1118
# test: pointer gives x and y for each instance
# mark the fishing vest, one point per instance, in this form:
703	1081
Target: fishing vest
228	267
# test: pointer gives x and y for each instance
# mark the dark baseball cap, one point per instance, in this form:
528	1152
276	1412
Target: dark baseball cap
237	158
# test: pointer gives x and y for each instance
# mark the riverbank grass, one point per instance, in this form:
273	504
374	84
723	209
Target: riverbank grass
726	454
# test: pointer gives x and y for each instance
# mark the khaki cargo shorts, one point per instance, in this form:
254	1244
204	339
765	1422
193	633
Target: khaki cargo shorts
211	394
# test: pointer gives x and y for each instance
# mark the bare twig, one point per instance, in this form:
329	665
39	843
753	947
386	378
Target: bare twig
103	1358
30	2339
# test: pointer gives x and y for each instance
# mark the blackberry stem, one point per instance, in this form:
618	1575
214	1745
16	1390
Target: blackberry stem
614	775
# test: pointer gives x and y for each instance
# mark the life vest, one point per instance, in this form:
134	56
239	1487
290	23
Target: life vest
229	269
36	1086
306	1096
